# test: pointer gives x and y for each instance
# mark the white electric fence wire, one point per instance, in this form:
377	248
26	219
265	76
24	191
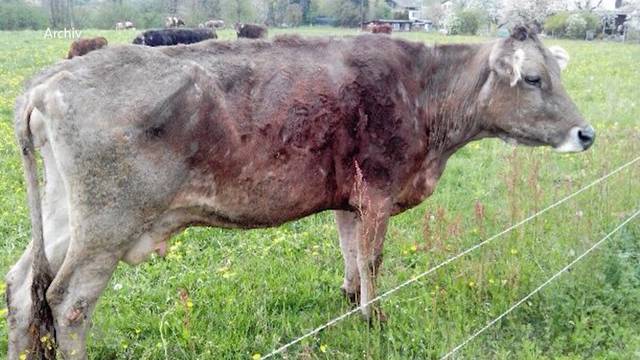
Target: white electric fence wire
451	259
490	323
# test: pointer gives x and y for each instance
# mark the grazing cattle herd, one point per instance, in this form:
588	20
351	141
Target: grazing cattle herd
252	134
173	34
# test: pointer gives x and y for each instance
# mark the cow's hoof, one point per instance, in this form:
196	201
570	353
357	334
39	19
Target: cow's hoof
352	297
376	318
379	316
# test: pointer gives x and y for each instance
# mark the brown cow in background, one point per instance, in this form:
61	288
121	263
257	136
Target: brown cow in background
251	31
83	46
381	29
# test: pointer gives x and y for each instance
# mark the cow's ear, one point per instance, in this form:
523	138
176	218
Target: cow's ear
507	64
561	56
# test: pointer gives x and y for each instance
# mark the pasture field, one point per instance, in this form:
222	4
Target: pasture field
228	294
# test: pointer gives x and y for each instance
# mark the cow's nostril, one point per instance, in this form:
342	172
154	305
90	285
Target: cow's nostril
586	136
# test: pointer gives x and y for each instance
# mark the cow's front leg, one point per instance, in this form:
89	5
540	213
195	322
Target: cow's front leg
346	222
372	227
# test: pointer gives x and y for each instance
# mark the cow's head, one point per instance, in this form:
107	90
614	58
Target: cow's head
523	100
139	40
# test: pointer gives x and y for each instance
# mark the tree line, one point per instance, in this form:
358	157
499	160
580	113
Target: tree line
24	14
563	18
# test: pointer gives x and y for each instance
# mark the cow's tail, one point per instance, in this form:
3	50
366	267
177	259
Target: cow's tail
41	327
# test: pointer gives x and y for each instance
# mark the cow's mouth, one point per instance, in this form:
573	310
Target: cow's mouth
520	140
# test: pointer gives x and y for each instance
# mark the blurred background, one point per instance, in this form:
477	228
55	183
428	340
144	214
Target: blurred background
577	19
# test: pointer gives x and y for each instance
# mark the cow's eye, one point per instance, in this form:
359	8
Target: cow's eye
533	80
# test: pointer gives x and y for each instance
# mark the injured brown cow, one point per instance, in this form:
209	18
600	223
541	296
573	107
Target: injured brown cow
83	46
252	135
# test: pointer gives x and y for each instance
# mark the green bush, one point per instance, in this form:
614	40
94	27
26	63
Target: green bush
593	21
401	15
294	14
572	25
556	25
380	10
576	26
347	14
465	22
18	15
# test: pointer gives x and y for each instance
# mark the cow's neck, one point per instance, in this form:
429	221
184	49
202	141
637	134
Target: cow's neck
454	76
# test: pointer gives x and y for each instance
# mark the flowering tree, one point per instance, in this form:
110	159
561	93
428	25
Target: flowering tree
533	11
588	5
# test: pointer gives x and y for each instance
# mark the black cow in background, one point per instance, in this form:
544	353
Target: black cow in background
173	36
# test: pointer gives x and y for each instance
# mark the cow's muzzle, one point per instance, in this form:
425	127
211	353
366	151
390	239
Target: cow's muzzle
578	139
587	136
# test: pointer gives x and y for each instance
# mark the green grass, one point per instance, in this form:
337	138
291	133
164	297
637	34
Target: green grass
223	294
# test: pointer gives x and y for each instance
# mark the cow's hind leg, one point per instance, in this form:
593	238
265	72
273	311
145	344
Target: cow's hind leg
346	222
73	296
18	295
96	246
